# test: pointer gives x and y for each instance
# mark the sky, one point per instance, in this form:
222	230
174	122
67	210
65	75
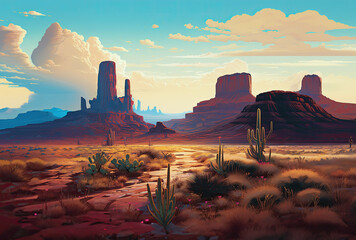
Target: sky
172	51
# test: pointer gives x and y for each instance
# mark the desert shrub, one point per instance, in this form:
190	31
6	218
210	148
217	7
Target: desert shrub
98	181
11	173
231	223
208	186
203	157
267	169
262	197
238	181
55	211
314	197
74	207
241	167
323	218
150	153
36	164
130	214
19	164
297	180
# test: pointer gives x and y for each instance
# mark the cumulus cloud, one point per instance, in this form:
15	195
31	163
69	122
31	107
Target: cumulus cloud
72	60
188	38
5	68
190	26
227	47
11	38
13	96
117	49
281	35
155	26
150	43
32	13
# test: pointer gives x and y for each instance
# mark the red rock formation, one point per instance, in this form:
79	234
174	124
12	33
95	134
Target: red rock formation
160	128
296	119
312	86
107	112
107	100
233	93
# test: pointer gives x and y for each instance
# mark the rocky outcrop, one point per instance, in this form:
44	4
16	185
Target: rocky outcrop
107	100
107	111
312	86
233	93
160	128
83	104
296	119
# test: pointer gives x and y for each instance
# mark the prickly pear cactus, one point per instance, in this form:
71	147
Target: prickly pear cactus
96	163
126	165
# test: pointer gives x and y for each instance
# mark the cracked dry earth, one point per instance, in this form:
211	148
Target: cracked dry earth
22	205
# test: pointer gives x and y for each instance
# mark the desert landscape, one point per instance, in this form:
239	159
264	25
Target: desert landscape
177	120
304	192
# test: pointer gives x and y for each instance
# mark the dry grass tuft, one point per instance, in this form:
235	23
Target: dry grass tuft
238	181
299	179
74	207
263	197
36	164
10	172
313	197
55	211
98	182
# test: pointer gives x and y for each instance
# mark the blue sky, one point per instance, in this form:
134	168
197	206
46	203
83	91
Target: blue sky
165	68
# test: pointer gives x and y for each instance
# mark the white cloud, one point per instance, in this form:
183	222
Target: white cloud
175	50
13	96
72	60
190	26
306	63
117	49
11	38
282	35
227	47
150	43
5	68
32	13
188	38
155	26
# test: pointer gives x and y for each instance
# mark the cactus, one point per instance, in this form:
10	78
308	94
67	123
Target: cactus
126	165
110	138
221	165
350	141
260	138
96	163
163	207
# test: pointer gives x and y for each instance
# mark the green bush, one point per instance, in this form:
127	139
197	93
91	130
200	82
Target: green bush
208	186
96	163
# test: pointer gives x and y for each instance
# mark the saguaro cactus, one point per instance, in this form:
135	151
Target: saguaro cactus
163	207
110	139
221	165
259	138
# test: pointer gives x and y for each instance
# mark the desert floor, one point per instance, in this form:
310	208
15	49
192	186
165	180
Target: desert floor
306	192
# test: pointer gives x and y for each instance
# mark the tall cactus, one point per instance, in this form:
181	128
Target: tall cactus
110	138
221	165
259	138
163	207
